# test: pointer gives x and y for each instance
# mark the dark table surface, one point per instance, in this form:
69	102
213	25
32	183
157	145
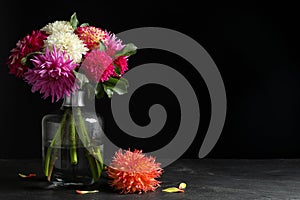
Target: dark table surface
206	179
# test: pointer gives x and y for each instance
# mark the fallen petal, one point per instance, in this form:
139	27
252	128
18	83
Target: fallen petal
172	189
86	192
182	186
27	176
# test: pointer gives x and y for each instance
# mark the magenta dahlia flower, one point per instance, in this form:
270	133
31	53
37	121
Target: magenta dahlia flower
113	44
52	74
90	36
98	66
30	43
121	62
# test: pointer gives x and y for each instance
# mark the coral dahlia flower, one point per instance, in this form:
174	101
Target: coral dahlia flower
30	43
91	36
134	172
52	74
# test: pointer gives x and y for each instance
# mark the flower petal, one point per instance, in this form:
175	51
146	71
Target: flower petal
86	191
27	176
172	190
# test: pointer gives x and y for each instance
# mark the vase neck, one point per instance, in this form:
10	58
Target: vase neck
74	100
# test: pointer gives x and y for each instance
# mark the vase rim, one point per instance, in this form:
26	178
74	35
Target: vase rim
74	100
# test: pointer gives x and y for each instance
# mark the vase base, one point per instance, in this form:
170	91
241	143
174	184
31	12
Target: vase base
62	179
61	183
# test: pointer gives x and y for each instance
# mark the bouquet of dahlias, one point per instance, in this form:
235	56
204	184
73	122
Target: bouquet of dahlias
64	57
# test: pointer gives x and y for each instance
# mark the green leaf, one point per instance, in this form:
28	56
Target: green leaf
90	90
82	79
99	91
26	59
108	90
102	46
117	70
84	24
114	81
128	50
73	21
118	86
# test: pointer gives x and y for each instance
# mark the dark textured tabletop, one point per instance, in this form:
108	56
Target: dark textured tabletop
206	179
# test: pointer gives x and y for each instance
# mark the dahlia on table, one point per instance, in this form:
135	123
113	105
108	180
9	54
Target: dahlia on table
134	172
64	57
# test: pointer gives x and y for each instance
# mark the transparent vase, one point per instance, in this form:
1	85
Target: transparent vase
72	143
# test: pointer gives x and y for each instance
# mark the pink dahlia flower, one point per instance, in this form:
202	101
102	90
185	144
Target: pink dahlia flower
134	172
113	44
121	62
90	36
98	66
52	74
30	43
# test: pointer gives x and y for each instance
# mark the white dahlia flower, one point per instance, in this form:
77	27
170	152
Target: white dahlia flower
68	42
58	26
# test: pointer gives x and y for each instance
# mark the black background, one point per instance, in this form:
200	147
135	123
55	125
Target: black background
255	48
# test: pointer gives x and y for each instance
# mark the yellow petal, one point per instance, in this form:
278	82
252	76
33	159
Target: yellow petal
22	175
182	186
172	189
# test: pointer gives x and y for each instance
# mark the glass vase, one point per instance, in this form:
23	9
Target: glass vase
72	144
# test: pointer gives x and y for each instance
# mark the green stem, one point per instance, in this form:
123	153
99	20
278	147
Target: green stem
93	157
55	141
73	150
94	171
85	137
99	156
